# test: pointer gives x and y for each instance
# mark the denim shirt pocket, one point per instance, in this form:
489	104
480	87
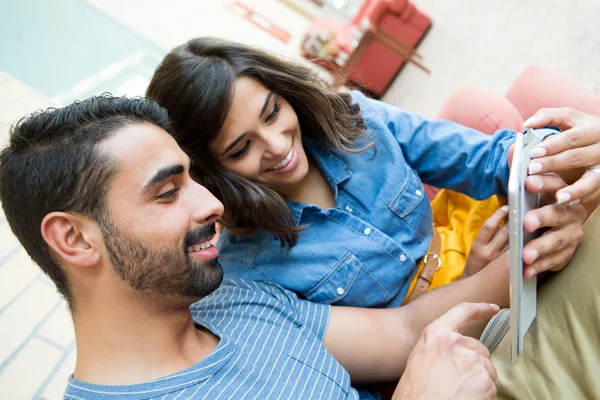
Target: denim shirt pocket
405	205
349	284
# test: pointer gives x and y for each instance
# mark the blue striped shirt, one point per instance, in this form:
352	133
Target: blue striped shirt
271	347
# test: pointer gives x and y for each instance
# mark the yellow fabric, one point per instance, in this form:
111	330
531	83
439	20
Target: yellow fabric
458	219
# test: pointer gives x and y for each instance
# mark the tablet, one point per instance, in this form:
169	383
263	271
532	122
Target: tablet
523	292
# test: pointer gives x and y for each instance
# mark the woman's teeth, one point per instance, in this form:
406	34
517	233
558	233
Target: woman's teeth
198	247
284	162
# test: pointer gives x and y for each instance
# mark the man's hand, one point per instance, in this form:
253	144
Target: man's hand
577	146
491	241
447	365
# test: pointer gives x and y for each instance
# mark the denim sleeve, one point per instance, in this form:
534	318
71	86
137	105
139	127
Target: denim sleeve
446	154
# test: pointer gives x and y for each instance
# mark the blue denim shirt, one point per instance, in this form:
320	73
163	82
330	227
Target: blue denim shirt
365	251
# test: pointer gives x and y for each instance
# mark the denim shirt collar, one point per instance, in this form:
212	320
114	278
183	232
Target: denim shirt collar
334	170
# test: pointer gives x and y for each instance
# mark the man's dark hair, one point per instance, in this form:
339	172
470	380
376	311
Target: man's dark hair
52	163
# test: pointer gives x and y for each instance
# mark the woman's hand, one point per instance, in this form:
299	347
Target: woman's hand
577	146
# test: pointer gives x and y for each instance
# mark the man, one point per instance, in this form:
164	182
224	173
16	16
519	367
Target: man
100	196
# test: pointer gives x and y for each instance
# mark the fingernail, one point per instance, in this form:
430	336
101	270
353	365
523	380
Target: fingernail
494	306
533	272
531	121
534	167
535	254
563	197
575	202
534	221
537	152
537	181
504	208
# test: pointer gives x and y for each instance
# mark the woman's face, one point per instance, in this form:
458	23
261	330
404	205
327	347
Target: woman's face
261	139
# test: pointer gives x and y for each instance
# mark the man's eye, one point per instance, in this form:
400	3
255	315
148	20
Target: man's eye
274	113
168	195
242	152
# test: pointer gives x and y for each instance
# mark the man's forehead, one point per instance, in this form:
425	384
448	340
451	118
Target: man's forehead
141	149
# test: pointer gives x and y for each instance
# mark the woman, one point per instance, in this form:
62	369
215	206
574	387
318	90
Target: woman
323	190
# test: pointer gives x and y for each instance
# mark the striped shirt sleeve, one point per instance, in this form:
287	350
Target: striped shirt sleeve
313	316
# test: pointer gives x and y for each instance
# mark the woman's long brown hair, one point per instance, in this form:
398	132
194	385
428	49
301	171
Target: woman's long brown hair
195	83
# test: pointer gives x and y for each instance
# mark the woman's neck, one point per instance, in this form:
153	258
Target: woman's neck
313	189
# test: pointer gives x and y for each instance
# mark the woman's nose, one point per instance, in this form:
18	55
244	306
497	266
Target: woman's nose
276	145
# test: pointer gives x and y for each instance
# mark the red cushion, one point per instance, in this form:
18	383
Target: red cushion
482	110
537	88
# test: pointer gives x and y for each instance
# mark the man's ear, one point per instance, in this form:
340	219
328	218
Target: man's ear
73	237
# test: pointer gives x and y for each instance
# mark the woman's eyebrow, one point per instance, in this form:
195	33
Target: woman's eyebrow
232	144
264	107
243	135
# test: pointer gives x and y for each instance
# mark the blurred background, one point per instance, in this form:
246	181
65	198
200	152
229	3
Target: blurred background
411	54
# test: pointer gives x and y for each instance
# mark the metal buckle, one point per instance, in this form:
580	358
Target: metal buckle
439	260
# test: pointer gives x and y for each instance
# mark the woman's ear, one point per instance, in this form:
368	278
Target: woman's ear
73	237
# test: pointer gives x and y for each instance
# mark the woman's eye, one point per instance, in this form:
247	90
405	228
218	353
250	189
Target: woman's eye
168	195
242	152
274	113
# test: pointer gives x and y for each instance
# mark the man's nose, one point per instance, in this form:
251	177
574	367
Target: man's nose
207	208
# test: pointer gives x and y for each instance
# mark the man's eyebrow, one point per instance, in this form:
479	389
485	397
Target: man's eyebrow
162	175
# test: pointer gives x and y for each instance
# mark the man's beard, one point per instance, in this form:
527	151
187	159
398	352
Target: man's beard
162	271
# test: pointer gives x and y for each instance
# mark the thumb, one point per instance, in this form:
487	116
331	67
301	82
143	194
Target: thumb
563	118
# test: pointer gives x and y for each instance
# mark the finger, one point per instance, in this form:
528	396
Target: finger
511	151
547	183
563	118
460	315
555	239
545	245
566	160
491	369
554	262
470	361
552	215
588	184
475	345
491	225
591	198
500	240
579	136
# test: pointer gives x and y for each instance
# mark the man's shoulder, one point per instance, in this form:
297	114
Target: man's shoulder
235	293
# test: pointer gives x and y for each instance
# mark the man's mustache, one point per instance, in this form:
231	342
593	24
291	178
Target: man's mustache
202	232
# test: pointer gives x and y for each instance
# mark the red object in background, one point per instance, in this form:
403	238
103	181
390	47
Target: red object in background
377	65
243	10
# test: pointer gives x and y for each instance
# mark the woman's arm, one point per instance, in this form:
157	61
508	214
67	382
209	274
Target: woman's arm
374	345
444	154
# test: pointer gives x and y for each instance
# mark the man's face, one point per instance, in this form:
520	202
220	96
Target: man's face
160	222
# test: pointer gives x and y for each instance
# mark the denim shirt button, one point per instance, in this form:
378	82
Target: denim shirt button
402	258
418	192
349	209
340	291
367	231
